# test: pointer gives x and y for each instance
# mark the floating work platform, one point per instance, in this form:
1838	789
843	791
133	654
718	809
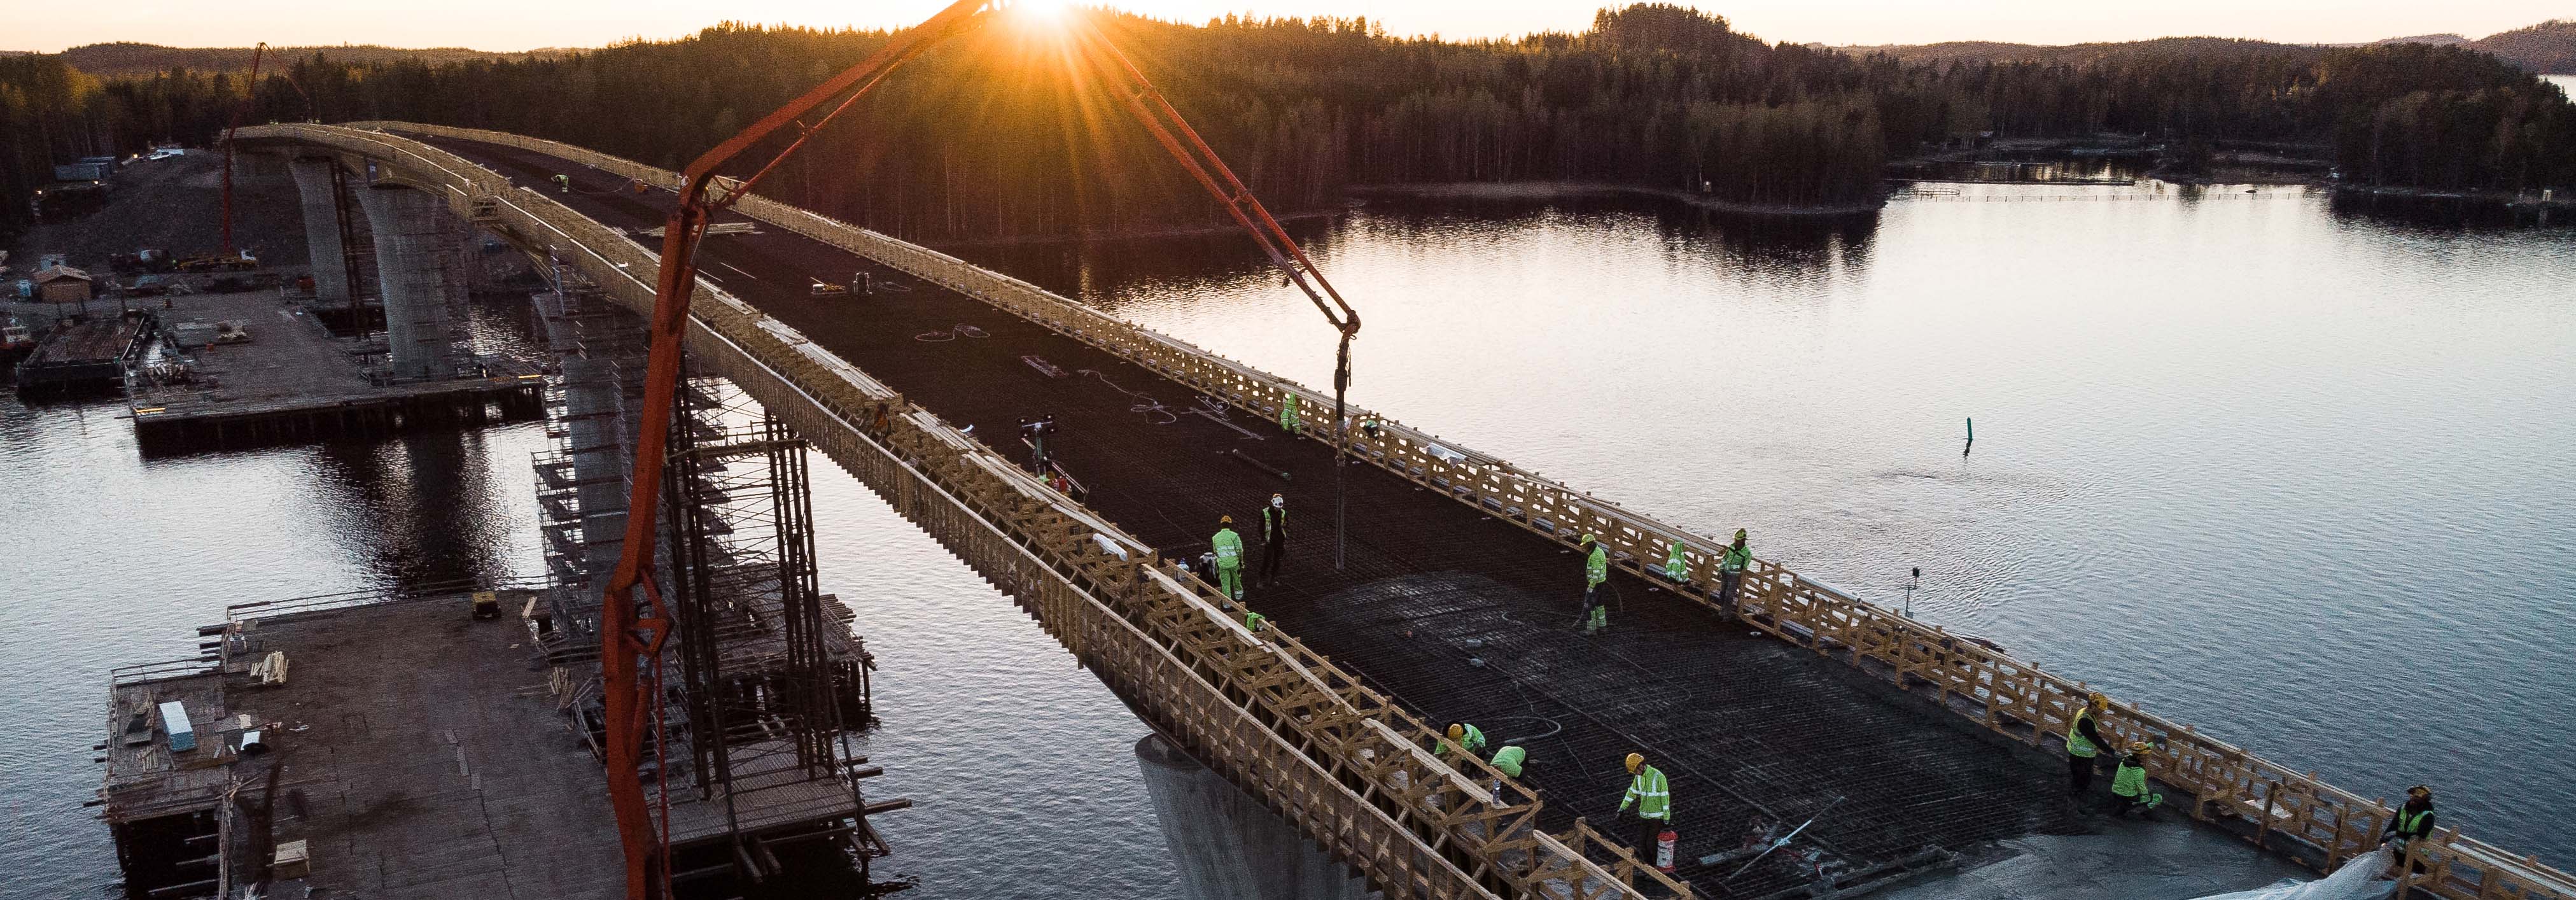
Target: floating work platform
290	381
396	746
87	356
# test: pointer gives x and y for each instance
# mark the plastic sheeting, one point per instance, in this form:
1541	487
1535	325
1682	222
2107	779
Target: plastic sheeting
2357	880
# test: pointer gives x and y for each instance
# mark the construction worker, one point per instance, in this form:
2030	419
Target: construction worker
1596	569
2411	825
1730	570
1507	761
563	183
1368	426
2083	743
1274	536
1675	567
2129	783
1288	421
1653	797
1255	622
1464	737
1229	558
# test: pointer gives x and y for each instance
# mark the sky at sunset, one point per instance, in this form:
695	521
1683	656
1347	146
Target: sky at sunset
521	25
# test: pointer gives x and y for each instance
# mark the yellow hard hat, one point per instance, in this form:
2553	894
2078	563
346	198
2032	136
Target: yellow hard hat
1739	534
1225	520
1635	760
1588	538
1457	731
2096	698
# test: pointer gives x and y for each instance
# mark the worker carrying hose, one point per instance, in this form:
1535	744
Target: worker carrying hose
1464	737
1653	797
1288	420
1596	569
2083	743
2129	783
1229	558
1274	537
2407	829
1731	569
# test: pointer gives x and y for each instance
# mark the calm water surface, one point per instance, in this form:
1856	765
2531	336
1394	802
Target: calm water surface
2297	476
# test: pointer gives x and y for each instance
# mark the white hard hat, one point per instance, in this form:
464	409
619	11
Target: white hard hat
1277	500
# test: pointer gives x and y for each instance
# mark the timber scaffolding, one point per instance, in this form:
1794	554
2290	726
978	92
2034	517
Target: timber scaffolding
1319	743
772	676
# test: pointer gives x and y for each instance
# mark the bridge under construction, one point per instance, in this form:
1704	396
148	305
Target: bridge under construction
1910	749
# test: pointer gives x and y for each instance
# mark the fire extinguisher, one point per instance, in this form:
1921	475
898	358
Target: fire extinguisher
1664	850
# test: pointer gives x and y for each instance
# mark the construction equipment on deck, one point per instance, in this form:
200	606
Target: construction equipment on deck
633	634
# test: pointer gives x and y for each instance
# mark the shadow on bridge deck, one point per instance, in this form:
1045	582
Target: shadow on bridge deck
1455	614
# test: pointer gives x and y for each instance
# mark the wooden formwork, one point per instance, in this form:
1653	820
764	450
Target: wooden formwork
2279	808
1334	757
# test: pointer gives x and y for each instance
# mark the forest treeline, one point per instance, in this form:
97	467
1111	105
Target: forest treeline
993	136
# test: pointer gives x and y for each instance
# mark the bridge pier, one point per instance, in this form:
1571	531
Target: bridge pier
313	190
411	269
1227	845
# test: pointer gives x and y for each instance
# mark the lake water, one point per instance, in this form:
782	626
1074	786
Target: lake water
2297	476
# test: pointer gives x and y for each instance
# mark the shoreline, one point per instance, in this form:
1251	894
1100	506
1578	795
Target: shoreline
1088	237
1553	190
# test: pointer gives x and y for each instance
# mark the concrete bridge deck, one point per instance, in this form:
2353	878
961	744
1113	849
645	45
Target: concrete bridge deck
1815	697
1749	729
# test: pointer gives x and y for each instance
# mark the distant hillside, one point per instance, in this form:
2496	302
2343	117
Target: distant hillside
2548	48
2438	40
122	59
2067	54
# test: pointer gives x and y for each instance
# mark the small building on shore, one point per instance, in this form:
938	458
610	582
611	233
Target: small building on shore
63	284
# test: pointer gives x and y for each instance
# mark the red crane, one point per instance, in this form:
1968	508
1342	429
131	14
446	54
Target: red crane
250	90
631	640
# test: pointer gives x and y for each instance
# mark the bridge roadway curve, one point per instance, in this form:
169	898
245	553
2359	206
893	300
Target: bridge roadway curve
1459	616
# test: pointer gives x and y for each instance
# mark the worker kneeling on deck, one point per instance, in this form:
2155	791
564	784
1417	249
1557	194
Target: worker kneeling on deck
1653	797
1229	558
2083	743
2130	782
1596	569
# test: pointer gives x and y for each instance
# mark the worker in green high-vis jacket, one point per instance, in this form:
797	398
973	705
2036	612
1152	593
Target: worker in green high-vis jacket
1730	569
1229	558
1288	421
1464	737
1653	797
1596	569
1675	567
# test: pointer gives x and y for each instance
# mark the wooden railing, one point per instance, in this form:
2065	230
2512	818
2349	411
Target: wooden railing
2275	806
1346	765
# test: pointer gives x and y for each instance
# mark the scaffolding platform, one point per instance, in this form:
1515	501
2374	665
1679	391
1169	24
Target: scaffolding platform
291	380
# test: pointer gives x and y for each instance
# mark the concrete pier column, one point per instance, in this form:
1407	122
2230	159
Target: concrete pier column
322	229
411	269
1229	846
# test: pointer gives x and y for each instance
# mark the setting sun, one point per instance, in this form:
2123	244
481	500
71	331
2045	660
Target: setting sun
1041	13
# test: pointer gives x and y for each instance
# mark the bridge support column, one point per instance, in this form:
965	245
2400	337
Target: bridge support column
410	267
322	229
1227	845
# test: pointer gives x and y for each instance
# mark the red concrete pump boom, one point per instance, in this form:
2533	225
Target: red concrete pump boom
249	93
632	642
